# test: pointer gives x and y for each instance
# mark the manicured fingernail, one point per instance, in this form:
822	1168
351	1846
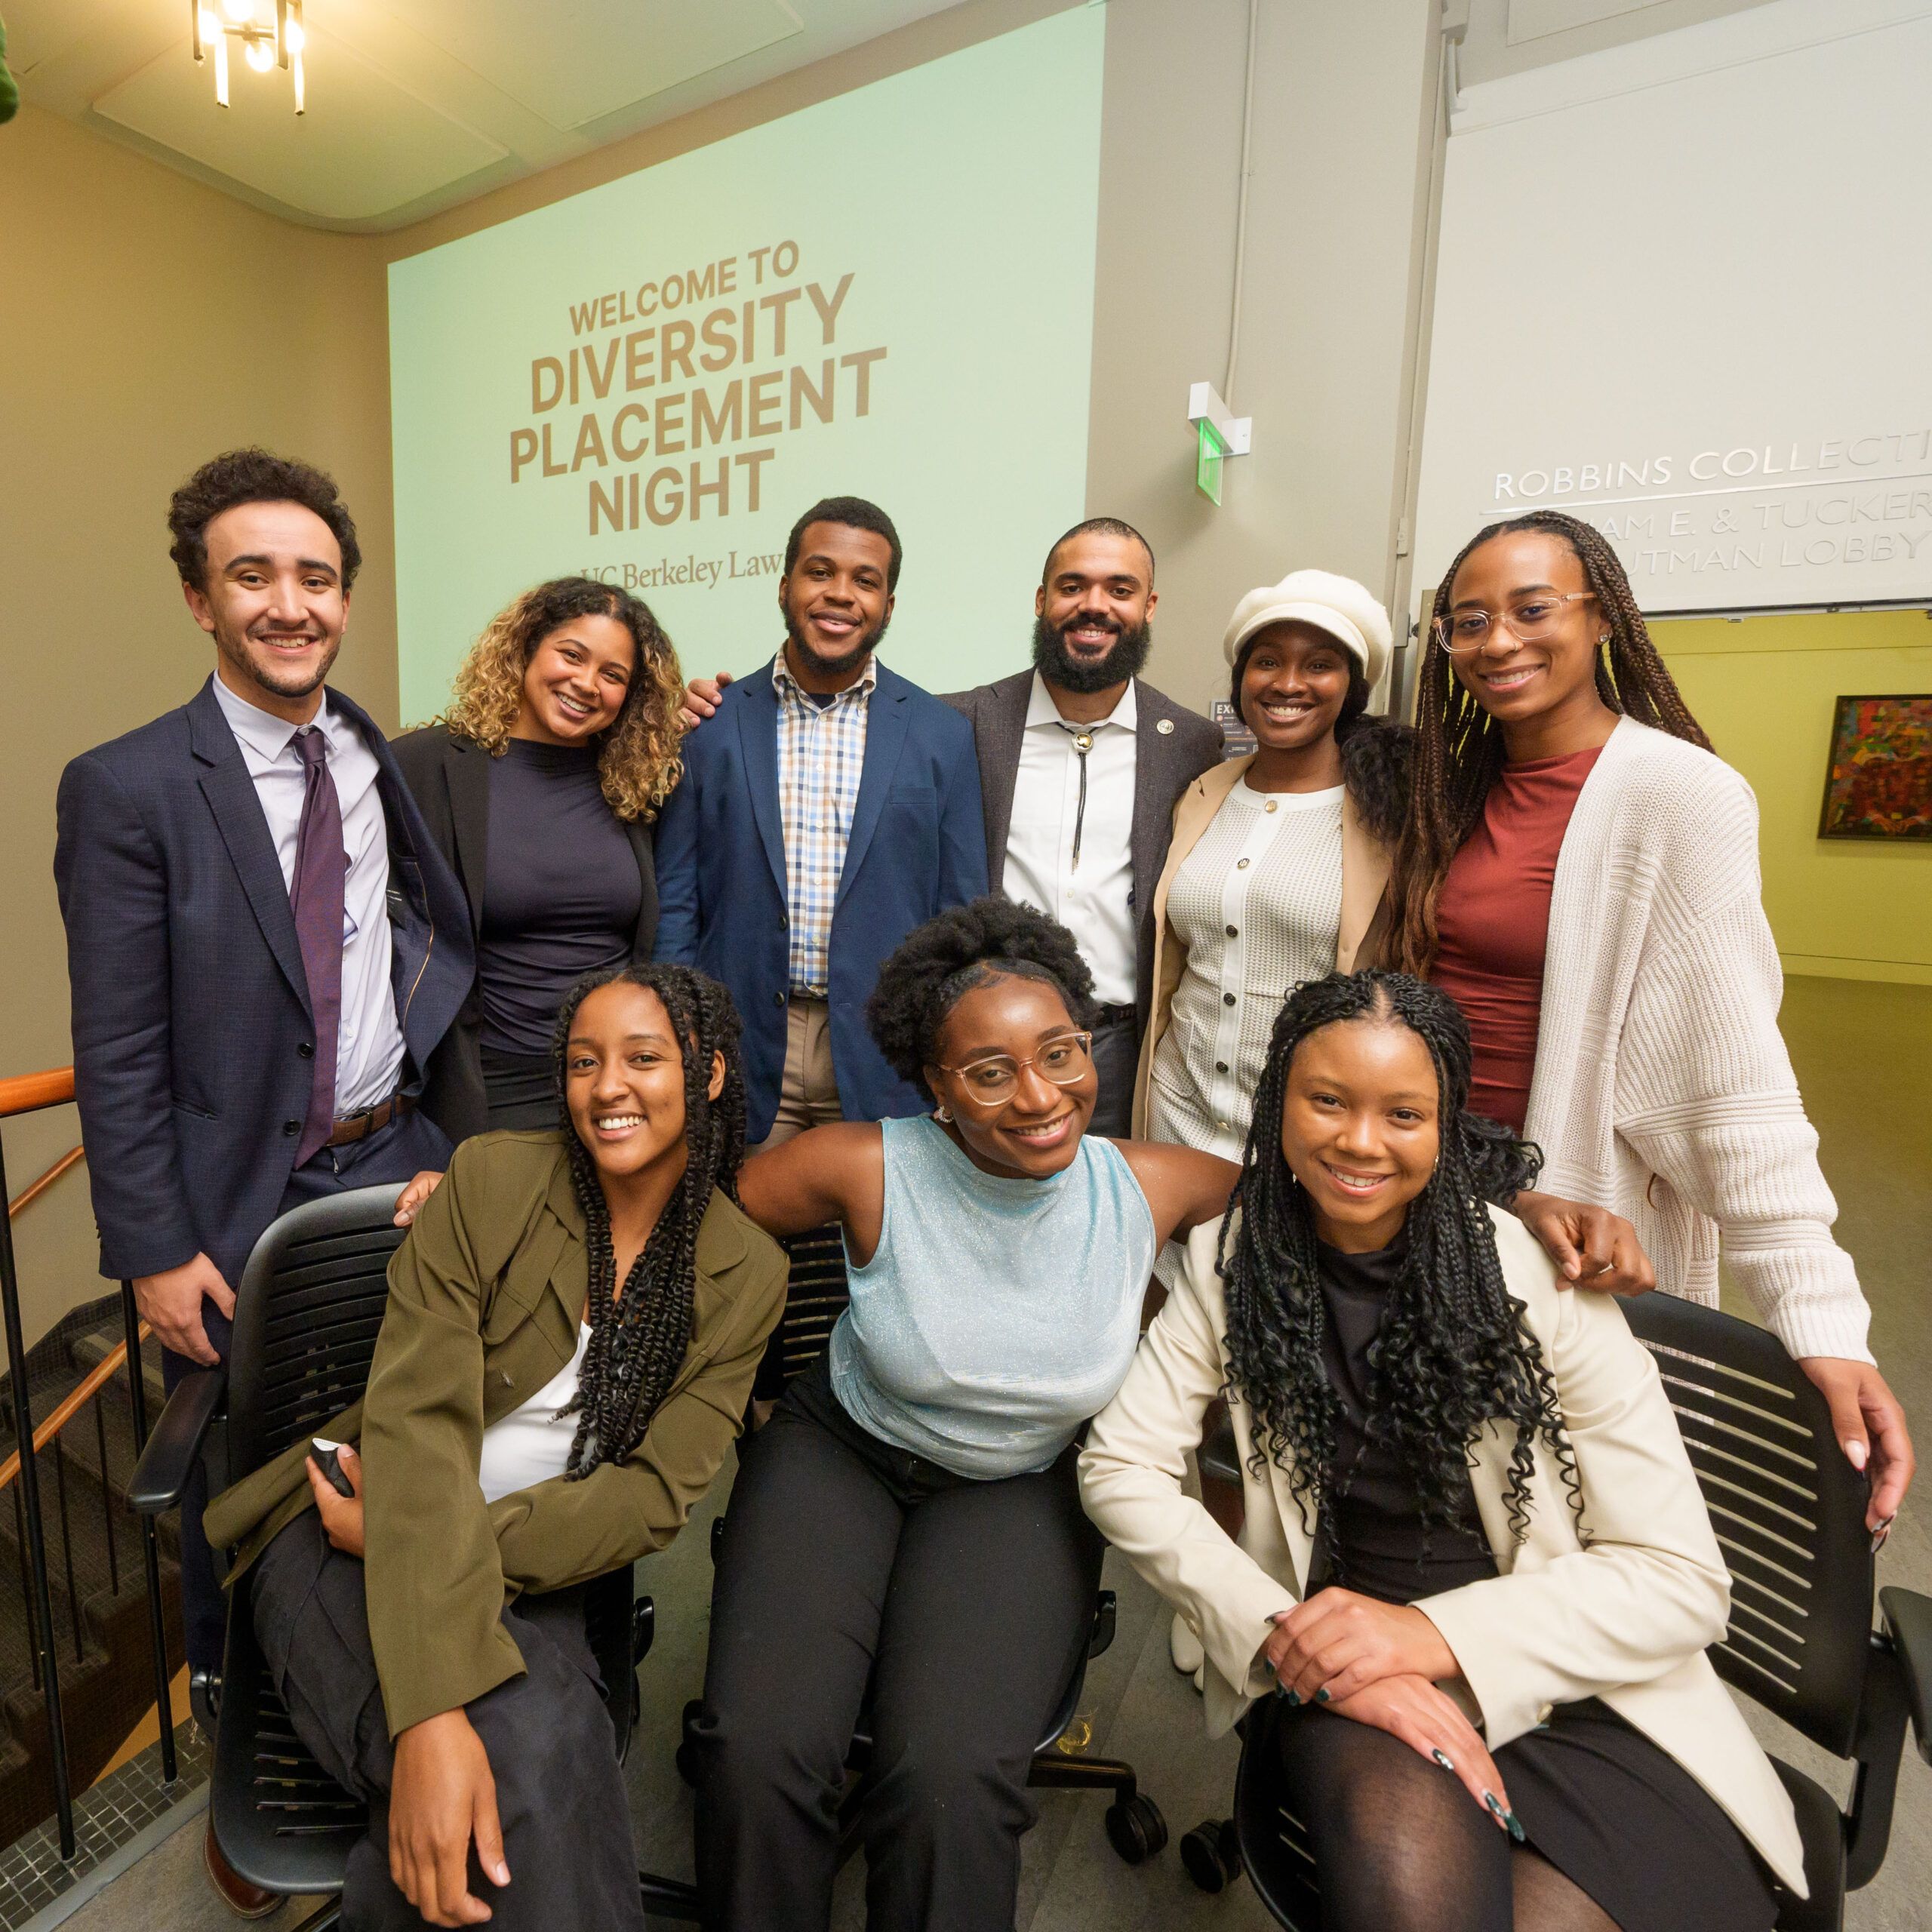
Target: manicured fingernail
1855	1454
1443	1761
1321	1696
1294	1699
1495	1804
1516	1831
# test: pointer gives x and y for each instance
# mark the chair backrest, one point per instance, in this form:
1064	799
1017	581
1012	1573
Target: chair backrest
1788	1510
816	1296
306	1316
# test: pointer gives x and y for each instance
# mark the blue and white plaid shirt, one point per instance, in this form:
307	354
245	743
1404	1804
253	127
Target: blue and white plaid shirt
821	753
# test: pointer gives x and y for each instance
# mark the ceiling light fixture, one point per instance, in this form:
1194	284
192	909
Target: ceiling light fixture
264	43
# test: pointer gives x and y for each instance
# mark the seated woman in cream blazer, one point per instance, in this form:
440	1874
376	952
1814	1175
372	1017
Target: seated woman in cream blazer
1475	1564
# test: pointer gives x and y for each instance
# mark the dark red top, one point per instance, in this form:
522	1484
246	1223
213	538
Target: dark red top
1492	923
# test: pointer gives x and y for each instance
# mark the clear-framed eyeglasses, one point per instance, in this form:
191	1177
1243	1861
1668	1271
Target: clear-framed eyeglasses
1527	620
993	1080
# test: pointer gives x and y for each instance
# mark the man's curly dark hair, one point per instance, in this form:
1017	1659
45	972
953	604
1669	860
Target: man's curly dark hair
253	476
1454	1353
935	966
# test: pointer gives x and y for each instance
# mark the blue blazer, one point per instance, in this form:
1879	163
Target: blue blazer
918	845
193	1042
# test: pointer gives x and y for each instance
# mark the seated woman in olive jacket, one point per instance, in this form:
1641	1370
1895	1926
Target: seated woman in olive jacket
539	785
573	1326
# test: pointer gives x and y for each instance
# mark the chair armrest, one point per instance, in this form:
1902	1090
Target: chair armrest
167	1461
1909	1621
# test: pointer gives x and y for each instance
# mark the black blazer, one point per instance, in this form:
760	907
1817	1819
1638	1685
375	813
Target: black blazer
1172	748
449	776
194	1046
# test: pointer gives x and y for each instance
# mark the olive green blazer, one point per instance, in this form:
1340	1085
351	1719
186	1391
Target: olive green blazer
485	1296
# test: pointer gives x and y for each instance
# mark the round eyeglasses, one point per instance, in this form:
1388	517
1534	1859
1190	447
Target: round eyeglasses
1528	620
993	1080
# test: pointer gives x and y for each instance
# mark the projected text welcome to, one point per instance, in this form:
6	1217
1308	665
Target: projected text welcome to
642	389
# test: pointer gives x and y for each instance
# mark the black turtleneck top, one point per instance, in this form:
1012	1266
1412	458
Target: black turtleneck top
1374	1505
562	893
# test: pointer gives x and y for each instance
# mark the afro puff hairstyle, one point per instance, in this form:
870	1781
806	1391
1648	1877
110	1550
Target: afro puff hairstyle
934	967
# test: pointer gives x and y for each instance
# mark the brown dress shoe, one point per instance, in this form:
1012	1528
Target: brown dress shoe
244	1900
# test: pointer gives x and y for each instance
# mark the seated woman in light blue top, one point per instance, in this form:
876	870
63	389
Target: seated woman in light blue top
905	1532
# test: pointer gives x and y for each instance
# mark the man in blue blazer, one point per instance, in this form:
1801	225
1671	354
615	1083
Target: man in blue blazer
263	946
829	809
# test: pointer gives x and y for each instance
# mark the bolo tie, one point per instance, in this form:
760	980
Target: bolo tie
1083	742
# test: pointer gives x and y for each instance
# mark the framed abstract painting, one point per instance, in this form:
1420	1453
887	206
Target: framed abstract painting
1878	778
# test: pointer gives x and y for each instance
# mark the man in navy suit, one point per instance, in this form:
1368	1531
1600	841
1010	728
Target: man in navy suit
829	809
263	946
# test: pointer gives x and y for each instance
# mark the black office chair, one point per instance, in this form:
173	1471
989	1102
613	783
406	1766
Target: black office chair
1135	1828
1789	1514
306	1316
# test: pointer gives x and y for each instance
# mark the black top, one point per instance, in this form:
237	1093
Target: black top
562	893
1376	1511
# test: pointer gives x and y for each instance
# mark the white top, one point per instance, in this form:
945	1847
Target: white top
1258	904
532	1444
1663	1089
368	1053
1094	899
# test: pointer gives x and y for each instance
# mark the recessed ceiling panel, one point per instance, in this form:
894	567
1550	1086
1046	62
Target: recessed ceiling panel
38	30
365	145
574	61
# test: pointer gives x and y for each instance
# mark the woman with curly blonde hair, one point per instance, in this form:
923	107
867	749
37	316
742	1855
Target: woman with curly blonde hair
540	784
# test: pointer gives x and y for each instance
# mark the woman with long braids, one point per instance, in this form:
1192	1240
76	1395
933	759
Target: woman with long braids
540	784
908	1521
1581	873
572	1329
1467	1503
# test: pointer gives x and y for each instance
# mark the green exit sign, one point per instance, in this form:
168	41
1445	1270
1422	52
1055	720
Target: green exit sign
1209	454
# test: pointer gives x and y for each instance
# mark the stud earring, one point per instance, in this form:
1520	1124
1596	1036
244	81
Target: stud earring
1604	638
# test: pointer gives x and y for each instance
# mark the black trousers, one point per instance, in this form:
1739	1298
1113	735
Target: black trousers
1116	1059
852	1574
394	1153
560	1791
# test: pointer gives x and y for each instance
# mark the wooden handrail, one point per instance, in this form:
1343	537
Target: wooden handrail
28	1194
68	1409
27	1093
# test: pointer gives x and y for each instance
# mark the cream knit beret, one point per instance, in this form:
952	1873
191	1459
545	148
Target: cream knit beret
1339	605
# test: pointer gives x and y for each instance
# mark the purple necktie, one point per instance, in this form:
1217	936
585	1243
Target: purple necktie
322	868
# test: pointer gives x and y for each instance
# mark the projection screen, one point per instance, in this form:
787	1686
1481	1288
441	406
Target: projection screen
889	294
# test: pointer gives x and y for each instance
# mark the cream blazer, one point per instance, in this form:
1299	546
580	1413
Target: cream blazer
1620	1607
1365	874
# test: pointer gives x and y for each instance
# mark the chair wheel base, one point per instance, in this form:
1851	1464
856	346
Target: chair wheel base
1136	1829
1211	1855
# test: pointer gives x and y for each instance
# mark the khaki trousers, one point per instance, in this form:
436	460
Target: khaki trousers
808	1091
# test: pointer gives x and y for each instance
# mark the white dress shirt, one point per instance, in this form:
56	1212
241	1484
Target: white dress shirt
368	1055
1094	899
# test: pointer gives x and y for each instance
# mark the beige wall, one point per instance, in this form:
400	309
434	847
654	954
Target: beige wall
157	321
146	322
1344	101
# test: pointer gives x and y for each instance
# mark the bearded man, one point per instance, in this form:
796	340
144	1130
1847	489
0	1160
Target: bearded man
1081	763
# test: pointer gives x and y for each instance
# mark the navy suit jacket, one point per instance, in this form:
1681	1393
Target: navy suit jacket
918	845
193	1041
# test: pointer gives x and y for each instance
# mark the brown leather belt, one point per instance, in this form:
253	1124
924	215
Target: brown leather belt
351	1127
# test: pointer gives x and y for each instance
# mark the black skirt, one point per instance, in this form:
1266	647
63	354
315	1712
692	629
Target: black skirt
521	1089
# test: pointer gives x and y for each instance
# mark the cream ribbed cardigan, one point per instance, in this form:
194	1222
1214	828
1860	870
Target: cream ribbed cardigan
1662	1088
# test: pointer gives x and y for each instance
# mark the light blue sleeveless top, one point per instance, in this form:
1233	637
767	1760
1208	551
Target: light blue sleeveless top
997	1315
